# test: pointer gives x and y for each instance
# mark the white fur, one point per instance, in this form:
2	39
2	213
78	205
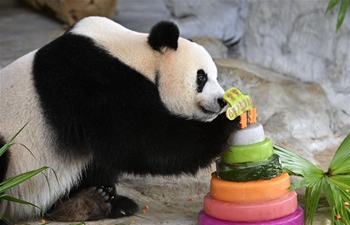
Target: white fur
20	105
178	72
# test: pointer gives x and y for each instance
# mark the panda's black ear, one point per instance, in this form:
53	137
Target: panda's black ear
163	34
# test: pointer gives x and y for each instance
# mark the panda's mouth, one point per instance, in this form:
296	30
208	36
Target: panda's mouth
207	111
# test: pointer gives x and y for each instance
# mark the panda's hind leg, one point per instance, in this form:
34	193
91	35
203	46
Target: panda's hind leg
82	205
92	204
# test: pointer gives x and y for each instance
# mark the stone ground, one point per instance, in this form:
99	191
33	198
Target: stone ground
23	30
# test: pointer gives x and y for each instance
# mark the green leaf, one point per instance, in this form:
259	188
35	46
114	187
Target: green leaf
296	165
16	180
342	181
340	163
4	148
5	219
342	13
331	5
329	196
305	182
12	199
336	198
335	184
312	197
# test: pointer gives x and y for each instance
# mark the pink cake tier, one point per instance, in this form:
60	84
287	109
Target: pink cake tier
251	212
296	218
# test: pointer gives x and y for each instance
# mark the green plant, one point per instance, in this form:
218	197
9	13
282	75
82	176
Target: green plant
16	180
342	10
334	183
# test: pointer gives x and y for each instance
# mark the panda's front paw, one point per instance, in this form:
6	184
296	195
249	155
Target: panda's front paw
123	206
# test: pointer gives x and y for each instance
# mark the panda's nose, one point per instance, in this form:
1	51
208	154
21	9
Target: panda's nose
222	102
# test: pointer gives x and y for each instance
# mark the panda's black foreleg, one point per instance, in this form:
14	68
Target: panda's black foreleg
96	175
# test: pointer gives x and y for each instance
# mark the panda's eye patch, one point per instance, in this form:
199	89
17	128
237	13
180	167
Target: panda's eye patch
202	79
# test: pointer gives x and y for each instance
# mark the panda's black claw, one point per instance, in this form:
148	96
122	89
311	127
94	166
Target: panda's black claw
116	205
123	206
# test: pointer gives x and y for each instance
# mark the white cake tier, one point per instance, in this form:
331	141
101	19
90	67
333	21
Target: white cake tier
254	133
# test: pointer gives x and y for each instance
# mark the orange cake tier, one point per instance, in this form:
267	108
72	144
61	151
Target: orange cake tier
251	191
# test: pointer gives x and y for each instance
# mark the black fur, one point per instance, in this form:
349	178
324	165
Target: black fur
95	103
2	222
202	79
4	160
157	79
164	34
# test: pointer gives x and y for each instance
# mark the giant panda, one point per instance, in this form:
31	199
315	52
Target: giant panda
101	101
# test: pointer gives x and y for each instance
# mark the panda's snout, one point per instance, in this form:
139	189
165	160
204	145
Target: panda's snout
222	102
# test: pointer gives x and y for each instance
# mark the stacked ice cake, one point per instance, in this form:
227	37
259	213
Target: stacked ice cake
249	186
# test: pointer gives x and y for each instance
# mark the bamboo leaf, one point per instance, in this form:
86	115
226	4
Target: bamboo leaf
339	207
312	197
329	196
343	181
27	150
335	184
305	182
12	199
331	5
5	219
340	163
342	13
11	182
8	144
296	165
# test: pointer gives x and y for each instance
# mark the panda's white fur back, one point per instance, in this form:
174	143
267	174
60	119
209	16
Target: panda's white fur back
133	50
19	106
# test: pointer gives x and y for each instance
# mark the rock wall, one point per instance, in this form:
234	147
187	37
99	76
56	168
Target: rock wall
220	19
298	39
295	38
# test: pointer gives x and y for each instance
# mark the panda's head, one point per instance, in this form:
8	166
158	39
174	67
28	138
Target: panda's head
186	75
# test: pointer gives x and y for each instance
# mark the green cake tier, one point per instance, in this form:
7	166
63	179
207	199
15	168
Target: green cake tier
249	153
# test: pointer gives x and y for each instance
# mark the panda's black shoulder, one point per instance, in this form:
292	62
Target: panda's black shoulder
78	82
77	61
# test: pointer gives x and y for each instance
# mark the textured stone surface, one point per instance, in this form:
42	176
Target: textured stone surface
298	39
220	19
24	32
215	47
